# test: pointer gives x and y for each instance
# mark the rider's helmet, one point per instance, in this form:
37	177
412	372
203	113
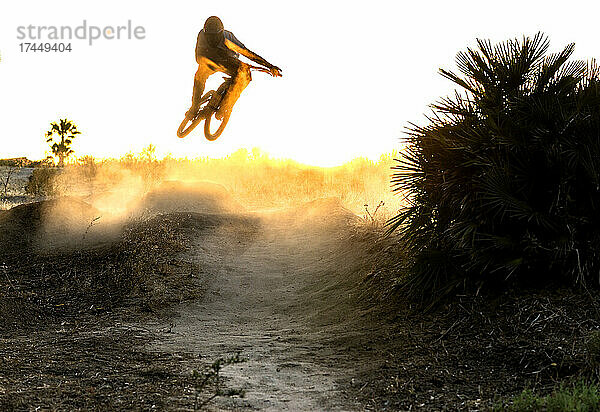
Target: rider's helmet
213	29
213	25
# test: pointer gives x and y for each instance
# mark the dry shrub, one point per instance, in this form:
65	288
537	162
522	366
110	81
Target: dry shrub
42	182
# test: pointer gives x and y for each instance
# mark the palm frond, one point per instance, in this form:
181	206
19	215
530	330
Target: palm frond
506	174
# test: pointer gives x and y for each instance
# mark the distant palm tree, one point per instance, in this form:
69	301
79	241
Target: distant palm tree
504	181
67	131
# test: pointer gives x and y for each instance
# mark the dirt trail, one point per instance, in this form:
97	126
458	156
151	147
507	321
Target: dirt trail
281	293
201	279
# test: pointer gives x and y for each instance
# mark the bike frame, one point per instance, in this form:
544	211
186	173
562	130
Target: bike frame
206	112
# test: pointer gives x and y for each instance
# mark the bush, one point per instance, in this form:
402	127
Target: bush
146	166
88	166
504	181
41	182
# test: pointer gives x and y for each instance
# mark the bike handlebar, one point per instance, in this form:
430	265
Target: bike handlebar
259	69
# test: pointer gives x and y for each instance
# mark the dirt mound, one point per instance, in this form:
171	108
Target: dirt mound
200	197
326	212
46	223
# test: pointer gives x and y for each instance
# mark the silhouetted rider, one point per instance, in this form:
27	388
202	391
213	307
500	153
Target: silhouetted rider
218	50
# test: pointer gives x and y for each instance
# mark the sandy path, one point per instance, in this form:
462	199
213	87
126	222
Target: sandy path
277	296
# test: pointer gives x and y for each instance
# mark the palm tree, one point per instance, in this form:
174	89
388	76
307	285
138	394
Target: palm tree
504	181
67	131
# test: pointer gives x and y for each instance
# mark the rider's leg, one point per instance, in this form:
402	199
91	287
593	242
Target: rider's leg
203	72
240	80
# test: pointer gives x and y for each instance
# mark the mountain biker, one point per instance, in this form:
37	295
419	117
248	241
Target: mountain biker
218	50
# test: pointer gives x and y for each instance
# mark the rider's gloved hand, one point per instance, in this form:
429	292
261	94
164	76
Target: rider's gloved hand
275	71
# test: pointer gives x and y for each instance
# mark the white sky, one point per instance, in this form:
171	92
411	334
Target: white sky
355	72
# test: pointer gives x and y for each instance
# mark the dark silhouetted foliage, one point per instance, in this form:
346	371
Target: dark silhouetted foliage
504	181
67	132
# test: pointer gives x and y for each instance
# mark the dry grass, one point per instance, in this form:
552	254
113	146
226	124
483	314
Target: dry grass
256	180
140	268
263	182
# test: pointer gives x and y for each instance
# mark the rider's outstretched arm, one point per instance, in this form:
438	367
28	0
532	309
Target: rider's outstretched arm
234	44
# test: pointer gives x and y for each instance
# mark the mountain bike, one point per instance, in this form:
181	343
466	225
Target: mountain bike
209	105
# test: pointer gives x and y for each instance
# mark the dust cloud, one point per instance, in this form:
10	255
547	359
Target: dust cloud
94	199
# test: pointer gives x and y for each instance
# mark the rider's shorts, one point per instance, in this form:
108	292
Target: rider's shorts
229	63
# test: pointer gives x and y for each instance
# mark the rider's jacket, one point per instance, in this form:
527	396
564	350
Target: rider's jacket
217	50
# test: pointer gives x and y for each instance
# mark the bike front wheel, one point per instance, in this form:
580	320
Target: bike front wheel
207	132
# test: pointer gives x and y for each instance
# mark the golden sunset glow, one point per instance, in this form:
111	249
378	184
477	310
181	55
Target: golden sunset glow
299	205
354	74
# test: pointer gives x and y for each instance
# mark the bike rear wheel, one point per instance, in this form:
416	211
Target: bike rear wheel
213	136
183	131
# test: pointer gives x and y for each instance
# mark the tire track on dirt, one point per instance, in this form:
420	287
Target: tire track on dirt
270	298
